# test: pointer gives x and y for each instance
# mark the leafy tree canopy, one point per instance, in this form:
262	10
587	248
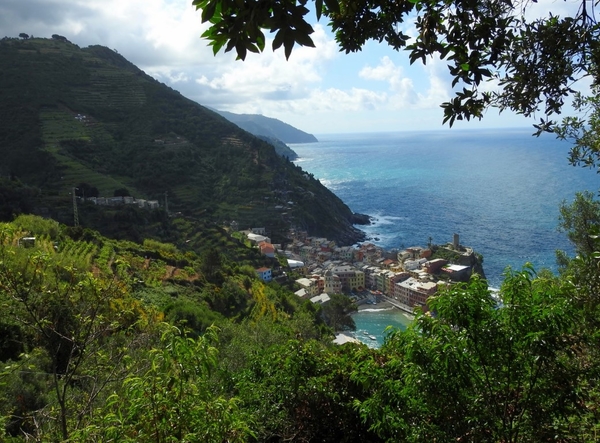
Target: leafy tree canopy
534	61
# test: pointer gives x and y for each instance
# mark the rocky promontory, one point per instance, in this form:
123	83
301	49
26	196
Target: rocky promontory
361	219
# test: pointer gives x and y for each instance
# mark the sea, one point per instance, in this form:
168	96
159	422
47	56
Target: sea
498	189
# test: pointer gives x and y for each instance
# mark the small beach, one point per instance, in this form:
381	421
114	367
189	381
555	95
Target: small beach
384	305
372	320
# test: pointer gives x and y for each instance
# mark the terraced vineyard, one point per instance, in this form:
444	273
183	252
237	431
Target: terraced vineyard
61	125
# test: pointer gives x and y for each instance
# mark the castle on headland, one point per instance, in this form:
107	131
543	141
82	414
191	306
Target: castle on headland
368	273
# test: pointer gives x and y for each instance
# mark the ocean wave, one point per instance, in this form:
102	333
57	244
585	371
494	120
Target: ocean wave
334	183
383	237
382	220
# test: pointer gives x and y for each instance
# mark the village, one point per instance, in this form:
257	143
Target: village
367	273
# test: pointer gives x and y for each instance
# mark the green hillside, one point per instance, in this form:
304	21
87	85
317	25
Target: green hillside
71	115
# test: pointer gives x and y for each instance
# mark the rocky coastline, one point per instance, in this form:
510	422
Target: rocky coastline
349	234
361	219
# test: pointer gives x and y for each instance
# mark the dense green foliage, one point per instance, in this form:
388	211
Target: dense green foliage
582	130
83	327
86	118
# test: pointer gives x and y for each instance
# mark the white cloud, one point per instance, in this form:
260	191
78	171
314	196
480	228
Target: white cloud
402	92
268	77
385	71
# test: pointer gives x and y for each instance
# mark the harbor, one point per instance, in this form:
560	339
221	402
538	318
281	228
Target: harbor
373	320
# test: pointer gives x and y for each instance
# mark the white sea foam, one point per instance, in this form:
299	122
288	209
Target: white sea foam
333	184
381	220
376	309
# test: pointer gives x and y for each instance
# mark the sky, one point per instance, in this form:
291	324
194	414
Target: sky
318	90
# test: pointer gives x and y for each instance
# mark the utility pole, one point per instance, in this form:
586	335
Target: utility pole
166	202
75	213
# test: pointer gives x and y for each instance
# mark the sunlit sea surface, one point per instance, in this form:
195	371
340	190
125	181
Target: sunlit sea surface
498	189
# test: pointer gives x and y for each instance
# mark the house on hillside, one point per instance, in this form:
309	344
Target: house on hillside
411	265
331	282
264	274
309	285
257	238
345	253
350	278
388	263
321	298
301	293
457	272
267	249
434	266
297	266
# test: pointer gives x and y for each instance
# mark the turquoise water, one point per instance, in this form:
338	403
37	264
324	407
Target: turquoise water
374	321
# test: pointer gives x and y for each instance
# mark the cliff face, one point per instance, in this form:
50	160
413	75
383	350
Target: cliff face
86	117
474	261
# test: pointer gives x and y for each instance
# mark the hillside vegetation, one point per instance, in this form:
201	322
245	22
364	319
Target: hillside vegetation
106	340
71	116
